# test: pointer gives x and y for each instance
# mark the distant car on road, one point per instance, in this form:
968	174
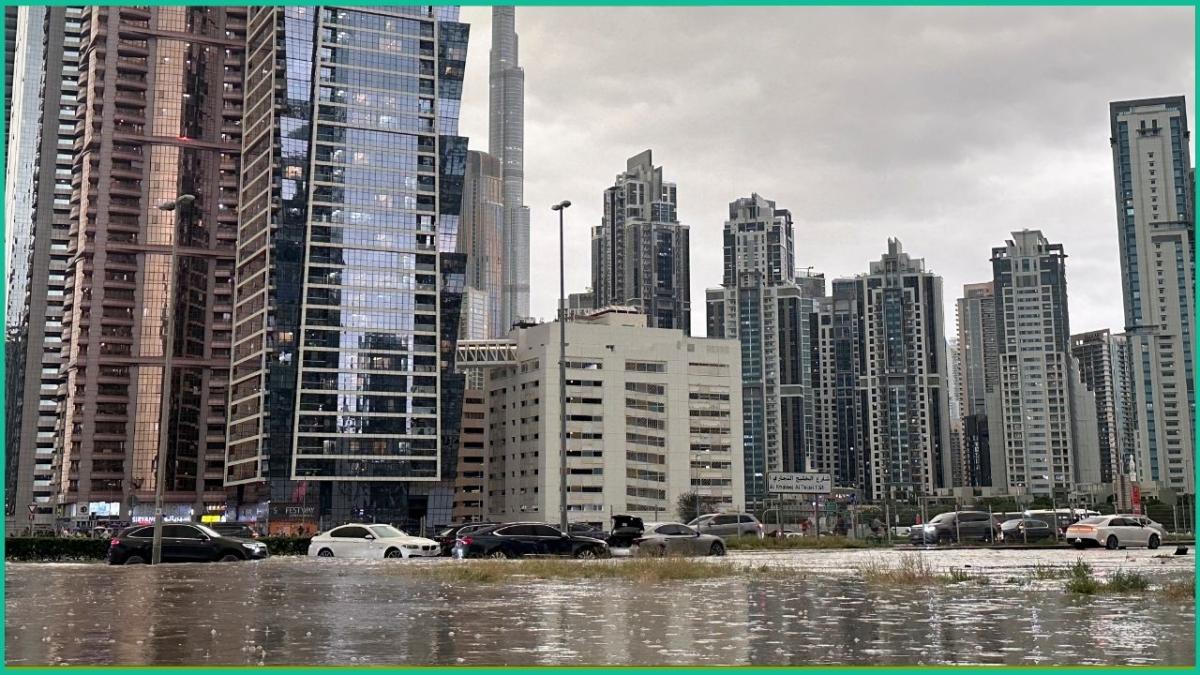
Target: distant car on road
237	530
677	539
362	540
954	526
181	543
516	540
449	535
1019	530
729	525
1112	532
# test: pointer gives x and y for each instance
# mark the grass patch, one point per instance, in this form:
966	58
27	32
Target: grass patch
789	543
645	570
1126	582
910	570
1047	572
1180	591
1081	581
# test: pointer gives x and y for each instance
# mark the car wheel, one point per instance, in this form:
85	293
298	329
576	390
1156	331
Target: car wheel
393	553
498	553
716	549
587	552
230	557
135	560
1112	543
1154	542
324	553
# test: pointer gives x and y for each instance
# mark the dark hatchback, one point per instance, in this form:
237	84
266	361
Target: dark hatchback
448	536
515	540
181	543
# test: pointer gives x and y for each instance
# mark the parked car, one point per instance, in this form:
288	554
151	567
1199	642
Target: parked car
729	525
1113	532
362	540
677	539
181	543
587	530
449	535
237	530
1145	520
515	540
954	526
1019	530
1063	517
626	529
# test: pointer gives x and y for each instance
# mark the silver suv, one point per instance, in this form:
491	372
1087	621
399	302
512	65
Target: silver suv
729	525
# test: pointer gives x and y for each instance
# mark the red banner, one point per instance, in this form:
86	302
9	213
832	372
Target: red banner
1136	498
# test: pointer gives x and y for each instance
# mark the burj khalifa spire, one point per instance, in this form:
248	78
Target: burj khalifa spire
506	142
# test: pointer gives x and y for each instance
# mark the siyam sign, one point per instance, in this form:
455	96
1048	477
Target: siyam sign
800	483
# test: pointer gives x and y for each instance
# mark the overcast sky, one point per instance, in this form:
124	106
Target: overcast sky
945	127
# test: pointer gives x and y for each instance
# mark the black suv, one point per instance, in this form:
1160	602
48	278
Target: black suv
952	526
181	543
514	540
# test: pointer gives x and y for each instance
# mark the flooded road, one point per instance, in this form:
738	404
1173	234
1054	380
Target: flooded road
298	611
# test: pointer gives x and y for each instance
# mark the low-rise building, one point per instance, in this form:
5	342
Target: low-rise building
651	415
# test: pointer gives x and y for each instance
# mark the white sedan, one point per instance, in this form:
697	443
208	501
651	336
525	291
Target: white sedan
1113	532
361	540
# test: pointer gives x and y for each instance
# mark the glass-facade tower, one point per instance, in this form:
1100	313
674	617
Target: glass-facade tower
343	402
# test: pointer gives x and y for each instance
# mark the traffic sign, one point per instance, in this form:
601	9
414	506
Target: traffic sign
800	483
32	508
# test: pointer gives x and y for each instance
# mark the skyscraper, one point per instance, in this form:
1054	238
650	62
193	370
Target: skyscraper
158	117
954	380
37	213
1156	237
640	250
838	398
343	400
978	385
506	142
904	382
763	305
480	238
1098	368
1048	430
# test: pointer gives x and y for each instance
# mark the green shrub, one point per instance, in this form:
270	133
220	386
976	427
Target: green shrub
1126	582
286	545
48	549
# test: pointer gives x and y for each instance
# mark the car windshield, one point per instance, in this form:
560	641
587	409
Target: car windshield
1094	520
386	531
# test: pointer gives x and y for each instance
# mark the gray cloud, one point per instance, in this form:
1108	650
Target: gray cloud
945	127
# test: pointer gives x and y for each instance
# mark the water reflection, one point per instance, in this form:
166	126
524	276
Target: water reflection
295	611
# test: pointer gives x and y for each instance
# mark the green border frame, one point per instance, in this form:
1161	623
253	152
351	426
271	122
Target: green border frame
600	670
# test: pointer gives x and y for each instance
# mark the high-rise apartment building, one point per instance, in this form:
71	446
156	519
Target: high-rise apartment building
837	396
158	117
1156	231
1099	367
1048	426
978	385
506	142
640	250
954	379
37	213
651	415
343	398
763	304
904	382
11	33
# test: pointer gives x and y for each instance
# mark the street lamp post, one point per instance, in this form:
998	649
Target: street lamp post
165	411
562	368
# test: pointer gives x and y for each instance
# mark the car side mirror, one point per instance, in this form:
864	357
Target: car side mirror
369	537
566	534
695	534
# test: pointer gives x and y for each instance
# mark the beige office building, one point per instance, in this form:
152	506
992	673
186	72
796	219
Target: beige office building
651	414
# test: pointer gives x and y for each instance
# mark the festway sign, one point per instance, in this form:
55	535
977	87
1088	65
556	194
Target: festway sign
800	483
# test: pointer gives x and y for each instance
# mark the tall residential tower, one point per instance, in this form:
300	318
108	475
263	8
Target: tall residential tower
1156	229
640	250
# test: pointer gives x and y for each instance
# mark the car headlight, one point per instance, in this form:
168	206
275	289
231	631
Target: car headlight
930	528
409	546
254	546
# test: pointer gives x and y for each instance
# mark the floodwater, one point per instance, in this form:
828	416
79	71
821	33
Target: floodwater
305	611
